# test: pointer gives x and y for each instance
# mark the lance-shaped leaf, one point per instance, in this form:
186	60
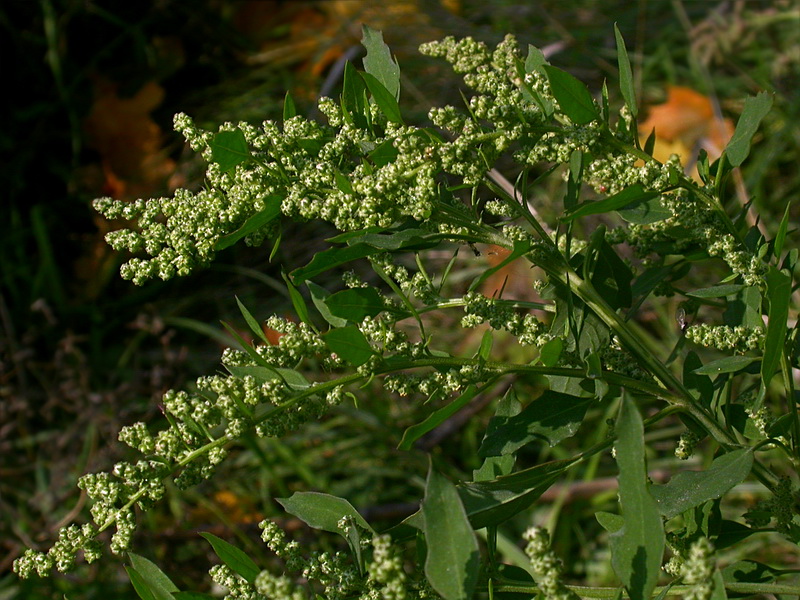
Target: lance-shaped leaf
493	502
688	489
237	560
379	62
453	561
779	292
552	417
572	96
383	98
331	258
754	110
638	547
729	364
322	511
625	74
413	433
150	582
630	196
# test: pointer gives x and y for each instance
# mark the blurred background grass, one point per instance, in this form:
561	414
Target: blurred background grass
91	87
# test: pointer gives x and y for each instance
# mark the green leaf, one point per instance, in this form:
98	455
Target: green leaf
638	547
342	183
353	96
383	154
535	60
350	344
453	560
645	211
383	98
779	292
577	161
379	62
754	110
356	303
629	196
572	96
294	379
192	596
405	239
688	489
780	237
551	352
485	349
609	521
552	417
493	502
730	364
749	571
149	581
718	291
322	511
298	301
497	466
731	533
318	296
141	587
289	109
236	559
625	74
330	258
251	322
413	433
271	210
229	148
718	591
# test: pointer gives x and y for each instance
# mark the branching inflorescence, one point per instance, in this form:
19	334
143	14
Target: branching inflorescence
391	187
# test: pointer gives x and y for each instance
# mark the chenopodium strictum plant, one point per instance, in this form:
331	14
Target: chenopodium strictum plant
395	191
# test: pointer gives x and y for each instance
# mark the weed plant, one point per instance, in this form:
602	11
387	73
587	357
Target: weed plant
591	385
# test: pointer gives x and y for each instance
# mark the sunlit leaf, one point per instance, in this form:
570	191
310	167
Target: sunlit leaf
322	511
379	61
625	74
755	109
229	148
572	96
149	581
236	559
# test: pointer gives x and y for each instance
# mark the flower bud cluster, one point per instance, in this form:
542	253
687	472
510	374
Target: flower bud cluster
435	383
237	587
546	566
527	328
61	556
698	570
740	339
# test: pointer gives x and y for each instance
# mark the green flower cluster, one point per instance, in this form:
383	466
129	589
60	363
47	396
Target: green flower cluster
546	566
740	339
500	315
698	570
384	578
